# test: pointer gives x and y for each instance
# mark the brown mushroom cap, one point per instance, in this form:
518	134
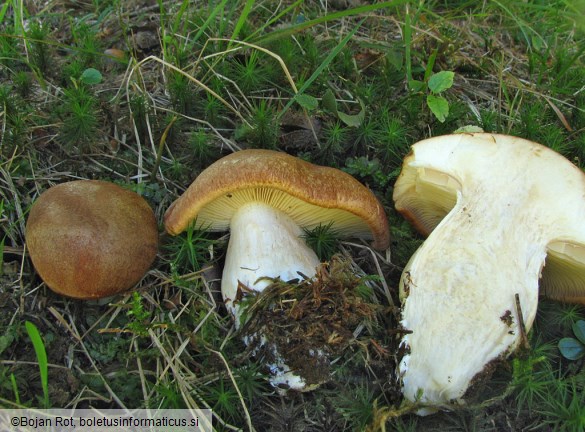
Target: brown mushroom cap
89	239
309	194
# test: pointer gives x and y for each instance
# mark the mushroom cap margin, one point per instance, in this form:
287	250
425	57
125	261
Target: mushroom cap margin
253	172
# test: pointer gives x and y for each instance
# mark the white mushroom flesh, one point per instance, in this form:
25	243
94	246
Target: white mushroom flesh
461	303
513	200
264	242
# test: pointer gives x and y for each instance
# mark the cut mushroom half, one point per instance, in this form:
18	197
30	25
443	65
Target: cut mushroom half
494	208
265	198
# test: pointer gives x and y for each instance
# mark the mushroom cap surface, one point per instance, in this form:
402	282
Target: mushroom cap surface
440	169
90	239
309	194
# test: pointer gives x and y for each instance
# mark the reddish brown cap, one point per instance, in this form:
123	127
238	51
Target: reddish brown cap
89	239
309	194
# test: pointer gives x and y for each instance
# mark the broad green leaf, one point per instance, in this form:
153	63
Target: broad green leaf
468	129
307	102
416	86
571	348
353	120
395	58
91	76
242	20
300	19
441	81
538	43
579	330
329	102
439	107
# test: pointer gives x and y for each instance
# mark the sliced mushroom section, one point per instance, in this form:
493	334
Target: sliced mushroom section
494	208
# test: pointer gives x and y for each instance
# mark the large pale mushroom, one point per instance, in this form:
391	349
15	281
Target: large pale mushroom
90	239
265	198
496	209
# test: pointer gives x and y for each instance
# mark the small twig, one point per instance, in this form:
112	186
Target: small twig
524	344
161	146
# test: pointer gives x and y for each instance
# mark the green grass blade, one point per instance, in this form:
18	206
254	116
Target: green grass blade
179	17
569	64
329	17
524	28
15	388
242	20
3	11
218	8
276	18
323	65
39	346
407	46
430	65
2	257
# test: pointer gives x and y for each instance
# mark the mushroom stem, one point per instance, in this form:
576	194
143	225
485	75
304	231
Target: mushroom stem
459	294
264	242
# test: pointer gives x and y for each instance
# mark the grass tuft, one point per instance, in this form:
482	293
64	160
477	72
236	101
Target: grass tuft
79	119
189	251
323	240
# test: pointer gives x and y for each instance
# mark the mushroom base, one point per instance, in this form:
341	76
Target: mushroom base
299	328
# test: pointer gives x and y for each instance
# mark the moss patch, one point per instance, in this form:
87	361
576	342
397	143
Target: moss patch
308	323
